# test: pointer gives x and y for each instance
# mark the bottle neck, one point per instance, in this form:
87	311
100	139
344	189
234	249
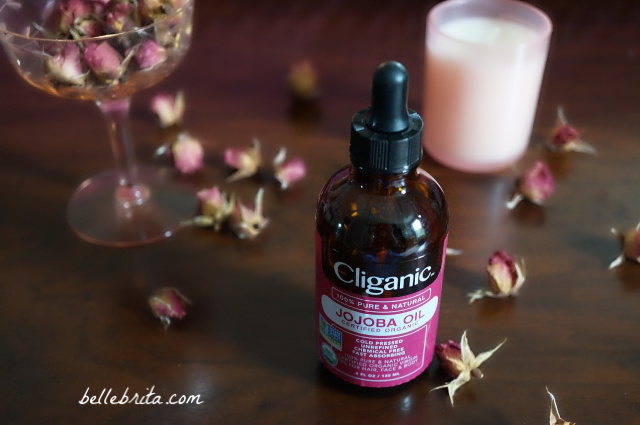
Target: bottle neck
380	182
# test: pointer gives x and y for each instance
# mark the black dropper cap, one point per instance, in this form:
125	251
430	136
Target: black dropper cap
386	137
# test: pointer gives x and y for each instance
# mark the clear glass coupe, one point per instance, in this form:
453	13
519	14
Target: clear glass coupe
105	51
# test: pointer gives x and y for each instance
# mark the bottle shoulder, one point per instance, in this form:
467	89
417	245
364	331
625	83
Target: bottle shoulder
410	217
344	194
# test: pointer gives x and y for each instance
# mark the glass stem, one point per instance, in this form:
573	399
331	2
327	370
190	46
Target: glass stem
130	192
116	113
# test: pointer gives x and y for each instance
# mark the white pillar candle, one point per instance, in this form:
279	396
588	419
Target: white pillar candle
483	70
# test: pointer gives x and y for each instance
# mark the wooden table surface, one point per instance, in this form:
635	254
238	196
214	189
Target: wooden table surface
74	318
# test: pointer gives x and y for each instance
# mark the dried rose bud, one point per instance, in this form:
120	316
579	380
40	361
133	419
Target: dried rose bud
66	67
149	54
119	17
156	9
630	242
303	80
215	207
289	172
248	223
554	415
187	154
246	161
460	359
566	138
154	4
535	186
450	355
169	109
104	61
77	17
506	277
167	304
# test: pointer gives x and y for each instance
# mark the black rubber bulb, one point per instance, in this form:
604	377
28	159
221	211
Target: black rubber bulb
388	112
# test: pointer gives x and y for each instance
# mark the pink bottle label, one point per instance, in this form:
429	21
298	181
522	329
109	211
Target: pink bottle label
377	341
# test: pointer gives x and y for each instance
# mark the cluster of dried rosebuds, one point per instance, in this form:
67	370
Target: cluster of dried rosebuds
218	208
167	304
185	151
247	162
537	184
92	60
506	277
460	363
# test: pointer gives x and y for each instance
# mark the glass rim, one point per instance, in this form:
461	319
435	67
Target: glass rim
6	32
542	35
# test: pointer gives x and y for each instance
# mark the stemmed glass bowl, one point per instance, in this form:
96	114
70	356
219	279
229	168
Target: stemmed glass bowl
104	51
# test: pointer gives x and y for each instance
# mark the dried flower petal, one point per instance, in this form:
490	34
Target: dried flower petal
246	161
215	207
104	61
66	67
630	242
187	154
169	109
289	172
248	223
554	415
566	138
535	186
303	80
149	54
167	304
506	277
467	364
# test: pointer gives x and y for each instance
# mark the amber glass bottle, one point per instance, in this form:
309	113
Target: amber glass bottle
381	233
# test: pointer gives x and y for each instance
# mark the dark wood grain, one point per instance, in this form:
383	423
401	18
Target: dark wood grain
74	316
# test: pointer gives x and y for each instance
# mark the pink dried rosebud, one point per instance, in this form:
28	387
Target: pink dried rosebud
187	153
554	415
506	277
65	66
215	207
104	61
156	9
460	363
248	223
120	17
289	172
169	109
535	186
167	304
630	242
303	80
246	161
149	54
566	138
450	355
78	18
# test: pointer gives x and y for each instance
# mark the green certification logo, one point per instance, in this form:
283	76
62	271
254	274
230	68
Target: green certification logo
329	354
